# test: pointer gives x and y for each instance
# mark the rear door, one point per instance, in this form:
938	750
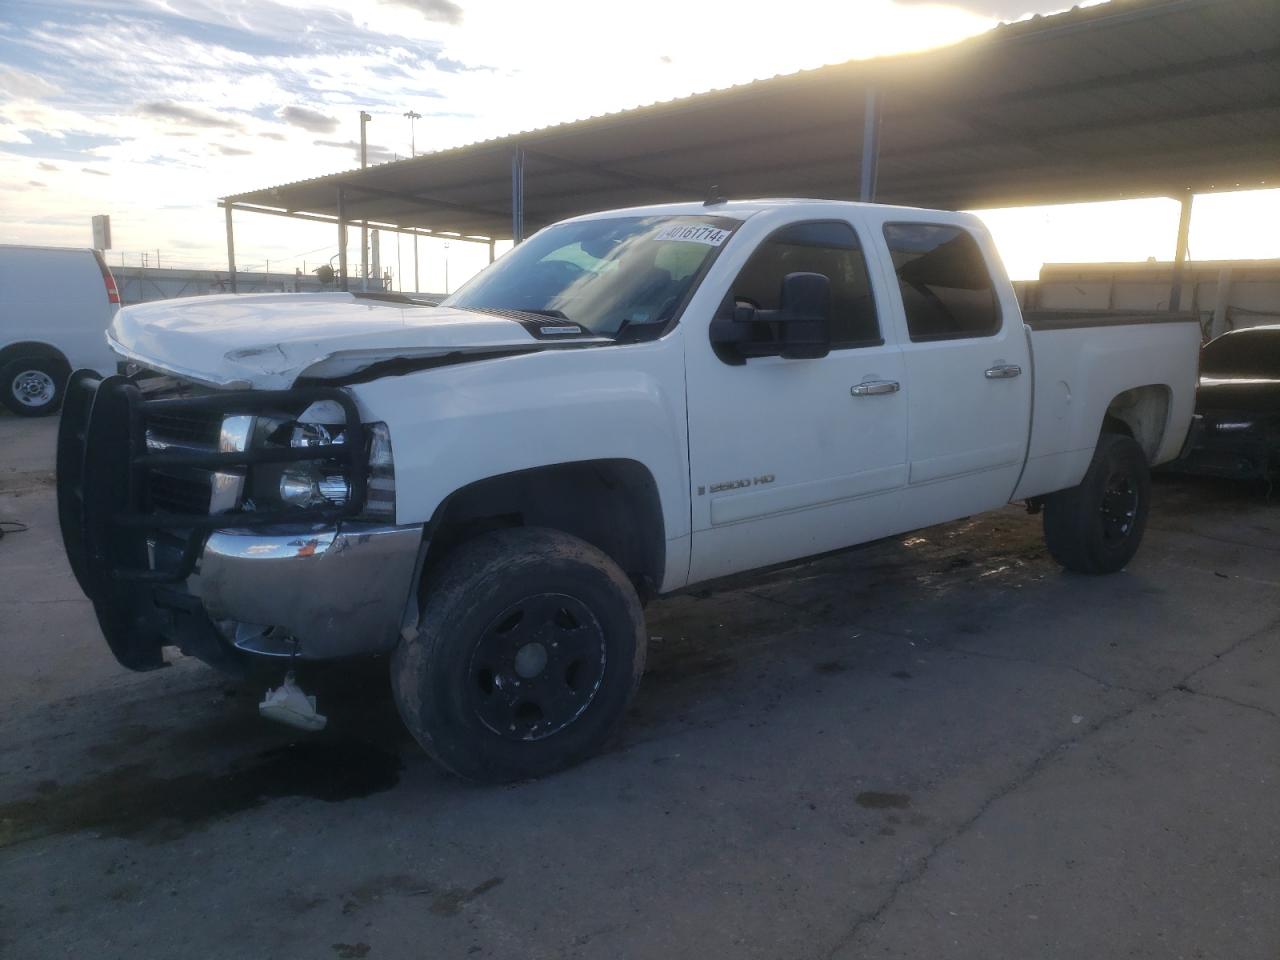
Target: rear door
790	458
968	364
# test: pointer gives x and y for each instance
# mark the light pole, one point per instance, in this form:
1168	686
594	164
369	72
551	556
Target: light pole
412	115
413	152
364	227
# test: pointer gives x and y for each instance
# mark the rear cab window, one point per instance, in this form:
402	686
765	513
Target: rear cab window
946	287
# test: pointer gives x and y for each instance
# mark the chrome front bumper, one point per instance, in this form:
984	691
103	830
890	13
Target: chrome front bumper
337	591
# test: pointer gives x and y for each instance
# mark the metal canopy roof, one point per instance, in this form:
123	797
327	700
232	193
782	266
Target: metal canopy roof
1130	98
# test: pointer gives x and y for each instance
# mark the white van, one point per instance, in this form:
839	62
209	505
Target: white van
55	306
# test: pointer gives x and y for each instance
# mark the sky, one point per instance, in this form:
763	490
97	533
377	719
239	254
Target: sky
149	110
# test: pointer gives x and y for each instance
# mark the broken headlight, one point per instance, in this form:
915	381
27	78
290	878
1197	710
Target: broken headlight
308	484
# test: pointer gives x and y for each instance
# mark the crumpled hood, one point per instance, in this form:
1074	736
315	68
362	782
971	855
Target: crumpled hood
267	341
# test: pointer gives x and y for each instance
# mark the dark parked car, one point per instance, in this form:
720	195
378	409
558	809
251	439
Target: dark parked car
1239	406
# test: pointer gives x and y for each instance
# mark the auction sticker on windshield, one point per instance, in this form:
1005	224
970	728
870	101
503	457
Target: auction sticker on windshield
695	233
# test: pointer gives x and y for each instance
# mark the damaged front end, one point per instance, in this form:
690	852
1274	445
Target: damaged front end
230	523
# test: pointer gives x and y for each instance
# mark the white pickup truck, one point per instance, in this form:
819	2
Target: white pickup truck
626	404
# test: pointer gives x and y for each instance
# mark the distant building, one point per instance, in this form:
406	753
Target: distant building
144	284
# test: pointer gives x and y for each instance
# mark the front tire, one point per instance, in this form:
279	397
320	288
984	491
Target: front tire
33	386
530	647
1097	526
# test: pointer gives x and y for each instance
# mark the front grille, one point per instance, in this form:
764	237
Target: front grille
199	428
168	493
181	490
135	467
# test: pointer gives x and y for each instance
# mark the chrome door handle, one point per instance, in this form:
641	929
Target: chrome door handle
1003	371
872	388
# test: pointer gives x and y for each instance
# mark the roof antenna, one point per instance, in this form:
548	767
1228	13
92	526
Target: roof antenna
714	196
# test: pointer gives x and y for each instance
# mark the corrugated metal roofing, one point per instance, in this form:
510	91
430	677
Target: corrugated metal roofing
1129	98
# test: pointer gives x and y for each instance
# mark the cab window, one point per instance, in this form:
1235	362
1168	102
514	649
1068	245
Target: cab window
946	288
827	247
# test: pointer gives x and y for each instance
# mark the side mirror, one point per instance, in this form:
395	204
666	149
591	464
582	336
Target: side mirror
800	329
805	316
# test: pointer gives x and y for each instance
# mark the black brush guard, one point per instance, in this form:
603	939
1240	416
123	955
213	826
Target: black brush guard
102	464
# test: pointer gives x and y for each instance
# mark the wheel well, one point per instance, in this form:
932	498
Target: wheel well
30	348
611	504
1141	413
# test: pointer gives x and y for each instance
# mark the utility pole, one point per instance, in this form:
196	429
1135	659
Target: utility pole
412	115
413	147
364	228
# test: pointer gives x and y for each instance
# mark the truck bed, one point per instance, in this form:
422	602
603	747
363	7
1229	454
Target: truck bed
1082	361
1073	319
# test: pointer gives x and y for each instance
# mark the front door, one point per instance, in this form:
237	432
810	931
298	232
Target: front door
790	458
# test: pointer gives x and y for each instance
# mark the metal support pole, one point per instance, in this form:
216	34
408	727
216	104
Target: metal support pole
364	227
870	146
1180	253
231	250
342	239
1221	304
517	194
491	256
416	288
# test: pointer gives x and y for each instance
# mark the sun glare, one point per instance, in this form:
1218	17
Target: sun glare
1224	226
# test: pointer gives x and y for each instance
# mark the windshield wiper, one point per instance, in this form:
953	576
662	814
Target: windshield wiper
635	327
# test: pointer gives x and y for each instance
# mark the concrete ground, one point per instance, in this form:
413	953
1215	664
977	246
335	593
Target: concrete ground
931	748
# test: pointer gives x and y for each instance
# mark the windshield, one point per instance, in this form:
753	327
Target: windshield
1249	354
605	275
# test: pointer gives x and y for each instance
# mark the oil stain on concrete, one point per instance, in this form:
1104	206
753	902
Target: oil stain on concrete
131	801
875	800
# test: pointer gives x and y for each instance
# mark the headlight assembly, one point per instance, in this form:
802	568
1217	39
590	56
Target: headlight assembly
323	481
308	487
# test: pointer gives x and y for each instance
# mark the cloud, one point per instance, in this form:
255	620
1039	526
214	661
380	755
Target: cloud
312	120
44	165
269	135
35	183
96	173
15	83
48	143
996	9
181	113
376	154
439	11
226	151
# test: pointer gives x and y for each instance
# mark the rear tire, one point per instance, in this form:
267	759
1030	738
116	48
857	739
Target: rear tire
1097	526
33	386
530	647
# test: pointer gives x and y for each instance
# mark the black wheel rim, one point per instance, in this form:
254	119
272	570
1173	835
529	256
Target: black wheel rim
536	667
1119	508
